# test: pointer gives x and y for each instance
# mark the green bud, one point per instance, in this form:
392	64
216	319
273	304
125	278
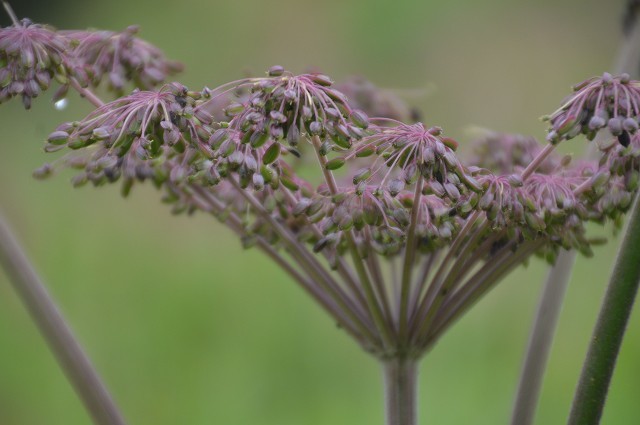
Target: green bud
361	175
321	79
360	119
271	154
450	143
258	139
275	71
58	138
335	163
365	151
234	109
289	183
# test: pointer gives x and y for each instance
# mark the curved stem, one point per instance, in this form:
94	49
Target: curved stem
598	367
64	345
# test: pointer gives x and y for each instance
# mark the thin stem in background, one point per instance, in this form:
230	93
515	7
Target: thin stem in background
543	330
540	340
71	357
597	370
9	10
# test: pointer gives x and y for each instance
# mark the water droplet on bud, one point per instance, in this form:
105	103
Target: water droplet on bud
61	104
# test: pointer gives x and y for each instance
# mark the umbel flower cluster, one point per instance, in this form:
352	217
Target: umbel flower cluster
399	235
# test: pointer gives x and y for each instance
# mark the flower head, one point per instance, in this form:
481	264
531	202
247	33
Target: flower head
30	56
505	153
280	111
136	134
599	102
406	152
119	56
373	100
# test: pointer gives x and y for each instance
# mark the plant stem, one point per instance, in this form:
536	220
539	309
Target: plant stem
598	367
540	340
558	279
407	267
400	390
10	12
70	355
374	307
86	93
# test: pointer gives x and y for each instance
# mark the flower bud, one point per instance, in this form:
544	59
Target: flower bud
335	163
271	154
275	71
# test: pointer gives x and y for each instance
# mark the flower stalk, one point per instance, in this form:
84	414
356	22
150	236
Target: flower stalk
400	391
555	286
73	360
591	393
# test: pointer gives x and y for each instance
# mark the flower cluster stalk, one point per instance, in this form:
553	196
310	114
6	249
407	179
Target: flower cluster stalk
557	281
73	360
608	333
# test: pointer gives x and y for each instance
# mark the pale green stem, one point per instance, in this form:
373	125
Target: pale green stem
10	12
540	340
86	93
309	263
214	205
591	394
72	359
374	307
542	333
400	391
407	267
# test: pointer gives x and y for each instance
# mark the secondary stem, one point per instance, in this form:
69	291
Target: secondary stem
71	357
540	340
10	12
400	391
597	371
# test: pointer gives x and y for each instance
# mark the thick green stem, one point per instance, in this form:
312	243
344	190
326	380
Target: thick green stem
400	391
607	336
71	357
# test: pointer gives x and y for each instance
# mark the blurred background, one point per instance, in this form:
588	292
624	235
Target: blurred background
187	328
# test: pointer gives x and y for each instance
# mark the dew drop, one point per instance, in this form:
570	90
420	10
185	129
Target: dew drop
61	104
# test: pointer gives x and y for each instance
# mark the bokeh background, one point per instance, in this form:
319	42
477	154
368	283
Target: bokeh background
187	328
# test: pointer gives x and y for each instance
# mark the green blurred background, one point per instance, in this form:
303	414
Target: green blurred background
187	328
